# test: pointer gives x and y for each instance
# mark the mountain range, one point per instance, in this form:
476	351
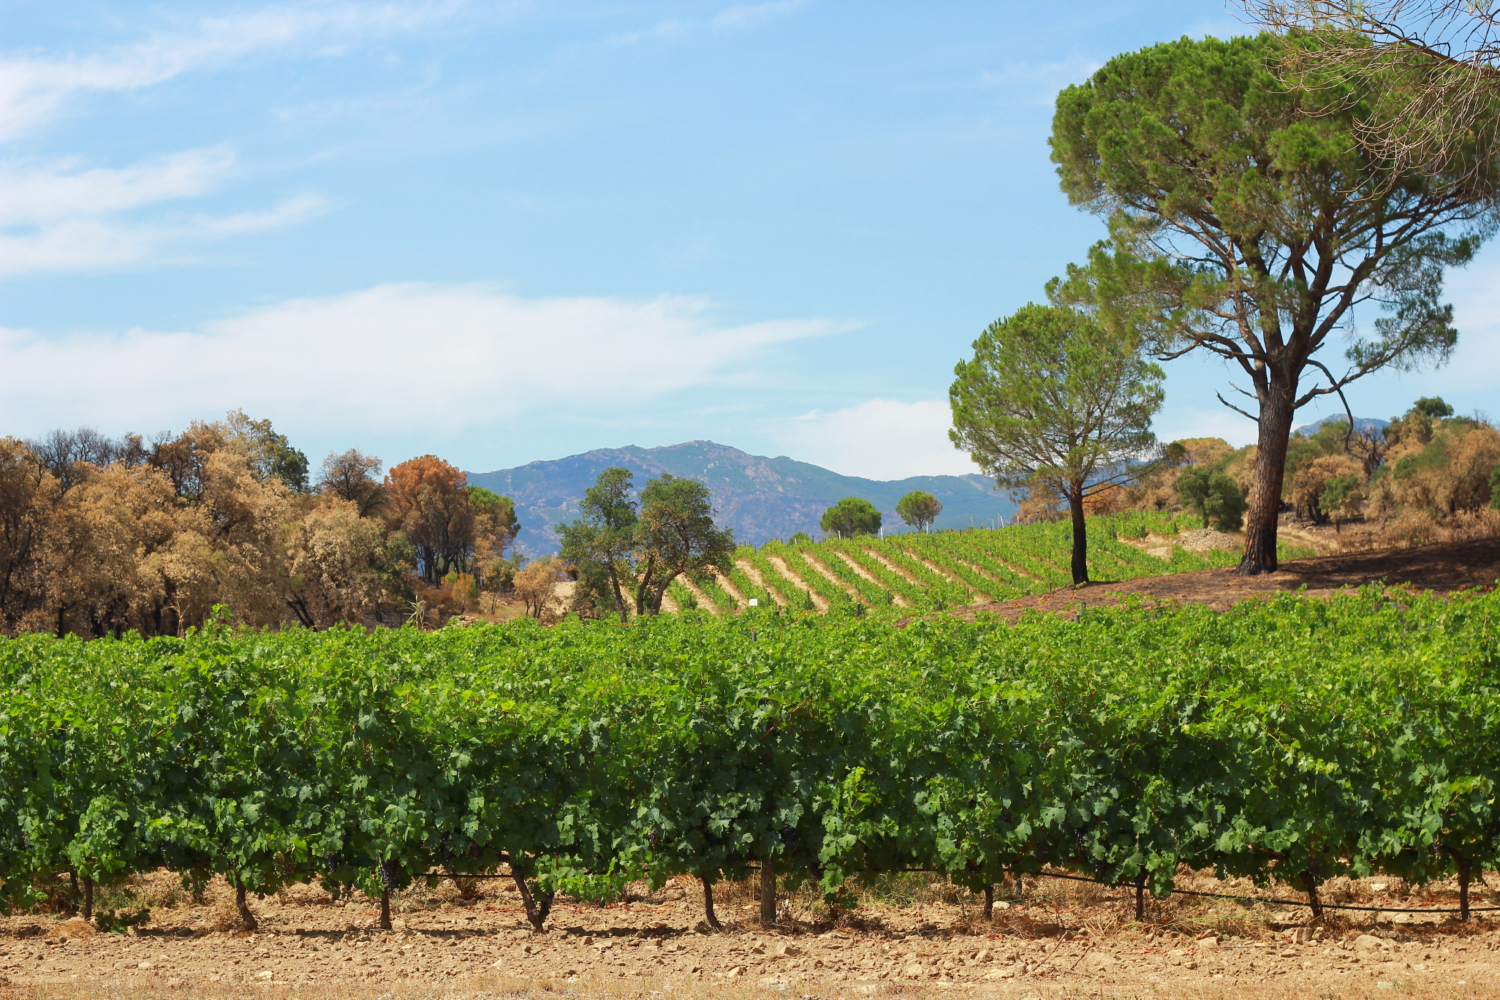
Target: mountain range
760	498
1361	424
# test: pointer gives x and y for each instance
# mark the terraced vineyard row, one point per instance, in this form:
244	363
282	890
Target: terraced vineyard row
947	569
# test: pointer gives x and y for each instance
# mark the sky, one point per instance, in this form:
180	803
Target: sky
504	232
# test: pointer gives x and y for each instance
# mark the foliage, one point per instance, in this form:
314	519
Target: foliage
101	536
353	477
1128	742
601	543
1053	398
1214	496
1247	221
269	453
919	509
427	500
536	585
676	536
1322	483
851	516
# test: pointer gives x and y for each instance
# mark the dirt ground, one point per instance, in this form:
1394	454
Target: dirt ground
1444	567
911	935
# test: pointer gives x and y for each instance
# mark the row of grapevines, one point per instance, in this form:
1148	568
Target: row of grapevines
870	592
792	595
1294	739
913	595
811	577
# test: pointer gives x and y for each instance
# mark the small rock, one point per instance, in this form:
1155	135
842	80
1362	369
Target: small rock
982	955
1208	942
1099	960
264	975
1379	886
786	951
915	970
1289	953
1368	942
145	965
1176	956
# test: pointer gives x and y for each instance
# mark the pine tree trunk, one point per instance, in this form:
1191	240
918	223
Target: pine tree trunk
1080	539
385	909
1276	415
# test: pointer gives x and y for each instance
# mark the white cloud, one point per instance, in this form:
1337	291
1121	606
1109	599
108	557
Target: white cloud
880	439
33	89
95	242
394	358
60	189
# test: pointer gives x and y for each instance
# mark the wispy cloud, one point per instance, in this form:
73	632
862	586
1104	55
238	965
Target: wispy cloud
729	19
57	216
65	214
34	88
63	188
441	359
100	243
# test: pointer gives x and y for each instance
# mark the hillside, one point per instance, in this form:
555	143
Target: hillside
760	498
955	568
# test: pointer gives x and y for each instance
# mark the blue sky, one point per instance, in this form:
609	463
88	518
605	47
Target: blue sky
502	232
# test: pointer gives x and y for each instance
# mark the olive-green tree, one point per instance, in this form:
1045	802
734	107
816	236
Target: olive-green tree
1248	222
1214	496
849	517
1052	397
676	536
601	544
919	509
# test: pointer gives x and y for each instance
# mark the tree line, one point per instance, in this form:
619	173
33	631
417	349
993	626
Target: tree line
100	536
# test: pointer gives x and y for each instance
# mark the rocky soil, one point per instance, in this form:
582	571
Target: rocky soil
913	937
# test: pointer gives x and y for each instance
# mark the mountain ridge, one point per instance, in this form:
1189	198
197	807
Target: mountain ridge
759	497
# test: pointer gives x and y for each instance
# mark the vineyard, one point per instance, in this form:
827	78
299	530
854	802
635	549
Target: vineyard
948	569
1291	739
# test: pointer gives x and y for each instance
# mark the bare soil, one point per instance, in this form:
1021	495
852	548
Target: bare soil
1446	566
912	935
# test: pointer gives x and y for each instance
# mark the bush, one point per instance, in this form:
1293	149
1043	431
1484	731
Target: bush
1313	479
1214	497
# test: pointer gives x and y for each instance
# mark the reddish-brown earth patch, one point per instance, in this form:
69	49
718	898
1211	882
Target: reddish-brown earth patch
1444	567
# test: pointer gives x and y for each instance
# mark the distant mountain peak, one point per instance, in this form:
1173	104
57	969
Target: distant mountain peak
1361	424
